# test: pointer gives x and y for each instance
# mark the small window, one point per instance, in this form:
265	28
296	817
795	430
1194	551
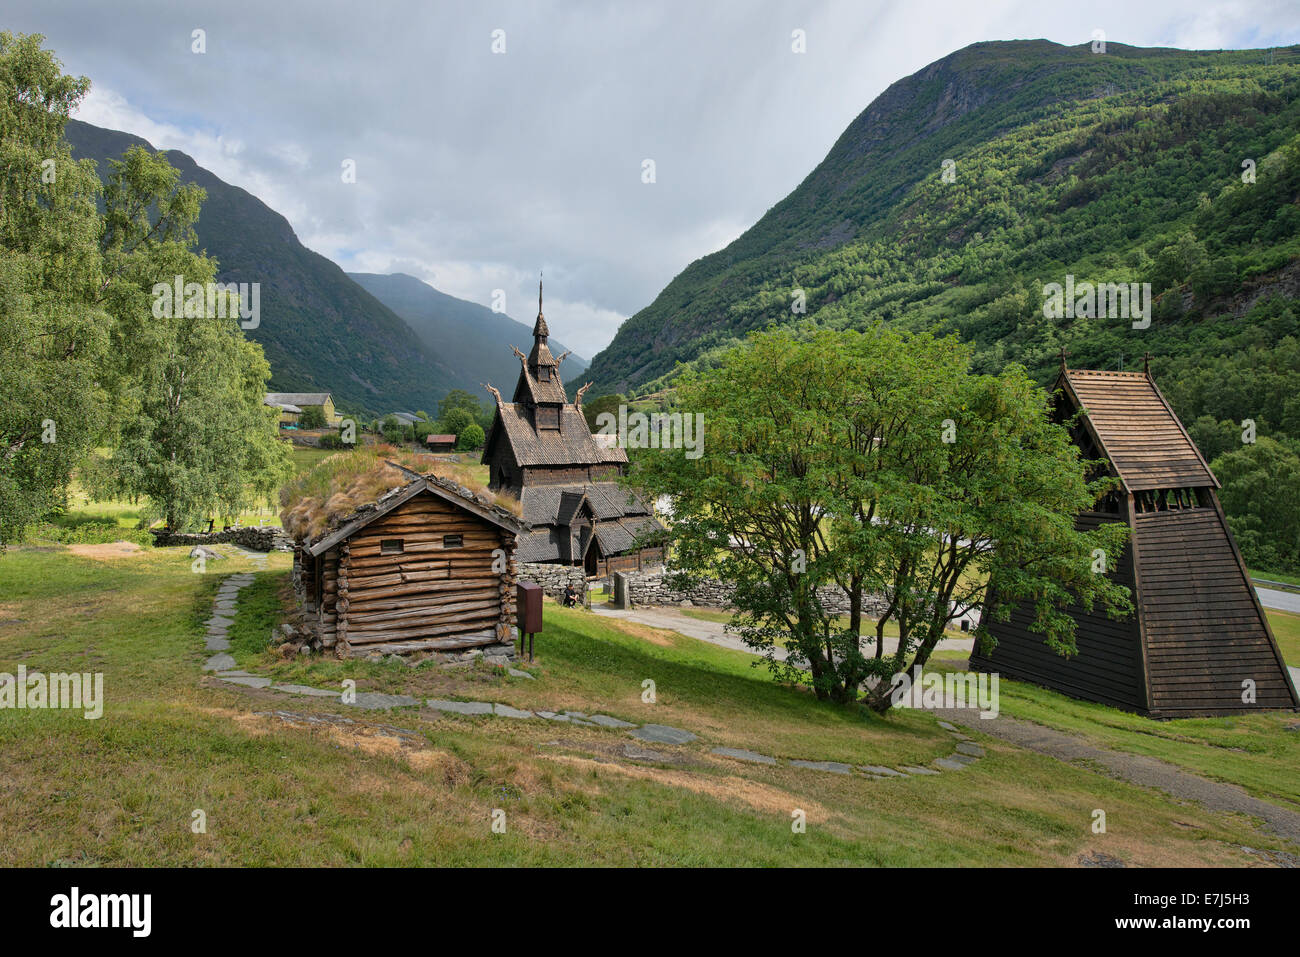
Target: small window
391	546
452	541
544	373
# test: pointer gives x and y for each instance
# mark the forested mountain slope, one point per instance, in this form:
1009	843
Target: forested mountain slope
466	336
1123	166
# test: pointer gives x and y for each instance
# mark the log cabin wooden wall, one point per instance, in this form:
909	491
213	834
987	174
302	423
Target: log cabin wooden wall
437	596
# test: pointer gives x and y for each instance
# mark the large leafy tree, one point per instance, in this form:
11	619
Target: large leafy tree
875	462
194	436
84	358
52	330
458	400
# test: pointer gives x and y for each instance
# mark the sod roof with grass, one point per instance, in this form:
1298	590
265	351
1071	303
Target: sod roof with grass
339	488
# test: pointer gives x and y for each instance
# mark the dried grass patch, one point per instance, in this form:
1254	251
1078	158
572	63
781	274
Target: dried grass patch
729	789
656	636
108	550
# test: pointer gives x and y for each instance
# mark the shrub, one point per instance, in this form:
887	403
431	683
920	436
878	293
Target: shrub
470	438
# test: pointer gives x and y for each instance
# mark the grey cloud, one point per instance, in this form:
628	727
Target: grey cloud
478	169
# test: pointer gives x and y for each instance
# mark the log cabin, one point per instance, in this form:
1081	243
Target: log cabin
1199	642
540	450
429	566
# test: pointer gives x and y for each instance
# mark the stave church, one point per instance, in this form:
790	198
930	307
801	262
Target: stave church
540	450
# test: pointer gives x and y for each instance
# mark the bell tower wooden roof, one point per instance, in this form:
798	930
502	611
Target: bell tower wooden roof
1135	428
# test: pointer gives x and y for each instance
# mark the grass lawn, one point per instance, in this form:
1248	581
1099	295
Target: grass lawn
1257	752
305	457
407	787
1261	753
1286	629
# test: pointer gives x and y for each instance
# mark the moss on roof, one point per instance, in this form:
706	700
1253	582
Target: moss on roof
323	497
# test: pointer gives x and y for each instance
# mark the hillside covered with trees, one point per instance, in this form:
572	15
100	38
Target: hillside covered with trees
468	337
1175	168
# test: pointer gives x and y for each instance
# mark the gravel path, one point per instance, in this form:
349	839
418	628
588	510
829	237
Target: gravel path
1134	768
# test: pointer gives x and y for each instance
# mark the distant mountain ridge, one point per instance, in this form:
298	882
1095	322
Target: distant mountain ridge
467	336
320	330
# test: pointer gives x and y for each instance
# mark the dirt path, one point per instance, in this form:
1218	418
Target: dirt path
1134	768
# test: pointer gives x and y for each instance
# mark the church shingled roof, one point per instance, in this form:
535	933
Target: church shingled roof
571	444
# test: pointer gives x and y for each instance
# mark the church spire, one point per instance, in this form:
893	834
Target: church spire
540	331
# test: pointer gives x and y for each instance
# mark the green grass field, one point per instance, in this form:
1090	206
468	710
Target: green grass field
408	787
1286	629
1283	577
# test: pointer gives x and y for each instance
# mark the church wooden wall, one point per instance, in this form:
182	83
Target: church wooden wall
570	475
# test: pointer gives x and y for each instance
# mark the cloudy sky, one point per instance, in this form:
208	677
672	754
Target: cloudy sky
476	169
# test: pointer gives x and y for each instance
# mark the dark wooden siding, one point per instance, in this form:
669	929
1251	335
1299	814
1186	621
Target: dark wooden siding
446	593
630	561
1205	634
1108	665
570	475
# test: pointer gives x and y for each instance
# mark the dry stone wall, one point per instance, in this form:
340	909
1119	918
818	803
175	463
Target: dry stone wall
249	536
653	588
554	578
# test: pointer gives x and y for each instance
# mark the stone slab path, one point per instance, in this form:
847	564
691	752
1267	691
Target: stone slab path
1134	768
224	667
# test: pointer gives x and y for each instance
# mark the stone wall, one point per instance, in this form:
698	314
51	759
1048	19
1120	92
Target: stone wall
553	578
249	536
652	588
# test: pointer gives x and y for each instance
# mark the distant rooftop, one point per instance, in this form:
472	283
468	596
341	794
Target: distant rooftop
297	398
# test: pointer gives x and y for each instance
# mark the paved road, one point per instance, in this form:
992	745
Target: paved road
1280	600
672	619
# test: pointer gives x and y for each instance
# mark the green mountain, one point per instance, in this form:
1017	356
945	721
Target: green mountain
319	329
1126	165
467	336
